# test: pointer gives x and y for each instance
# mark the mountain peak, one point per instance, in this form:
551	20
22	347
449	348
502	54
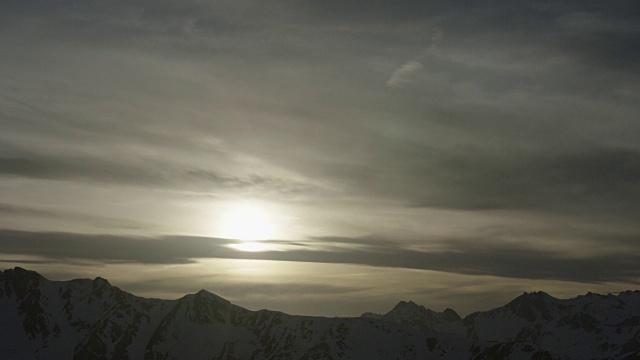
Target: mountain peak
101	280
407	305
20	280
209	295
18	271
451	315
530	305
534	296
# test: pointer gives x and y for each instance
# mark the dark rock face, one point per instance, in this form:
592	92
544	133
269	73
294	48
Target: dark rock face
416	316
90	319
450	315
531	306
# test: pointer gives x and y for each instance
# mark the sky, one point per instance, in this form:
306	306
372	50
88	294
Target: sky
323	157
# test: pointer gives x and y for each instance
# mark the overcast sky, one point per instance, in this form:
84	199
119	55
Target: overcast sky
451	153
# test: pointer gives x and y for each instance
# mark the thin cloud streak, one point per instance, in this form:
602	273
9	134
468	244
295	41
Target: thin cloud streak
404	74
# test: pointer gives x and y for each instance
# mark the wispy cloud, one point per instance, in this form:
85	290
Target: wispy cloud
74	217
97	170
404	74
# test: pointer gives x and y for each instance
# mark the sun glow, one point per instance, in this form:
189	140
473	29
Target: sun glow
246	221
250	246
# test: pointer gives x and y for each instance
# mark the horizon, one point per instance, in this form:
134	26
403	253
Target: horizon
318	157
363	312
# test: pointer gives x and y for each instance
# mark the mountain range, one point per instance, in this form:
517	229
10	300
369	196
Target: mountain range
91	319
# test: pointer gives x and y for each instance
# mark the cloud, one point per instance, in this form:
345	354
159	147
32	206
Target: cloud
472	256
404	74
53	212
527	109
11	209
96	170
45	167
594	180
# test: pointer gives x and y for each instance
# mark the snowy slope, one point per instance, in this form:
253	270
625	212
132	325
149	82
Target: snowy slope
90	319
539	326
589	326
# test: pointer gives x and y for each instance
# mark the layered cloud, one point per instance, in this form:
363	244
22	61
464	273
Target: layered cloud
420	123
473	256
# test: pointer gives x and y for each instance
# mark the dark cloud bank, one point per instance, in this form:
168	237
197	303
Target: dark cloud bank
467	256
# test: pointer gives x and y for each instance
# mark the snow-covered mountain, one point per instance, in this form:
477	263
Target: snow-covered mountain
90	319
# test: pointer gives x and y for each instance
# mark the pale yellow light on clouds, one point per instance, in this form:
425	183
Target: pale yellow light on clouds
314	288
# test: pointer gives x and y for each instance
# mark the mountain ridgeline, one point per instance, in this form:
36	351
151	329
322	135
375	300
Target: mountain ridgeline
90	319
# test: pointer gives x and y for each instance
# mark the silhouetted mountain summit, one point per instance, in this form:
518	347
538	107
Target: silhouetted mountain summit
416	316
91	319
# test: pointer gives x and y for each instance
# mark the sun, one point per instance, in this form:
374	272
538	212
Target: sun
246	221
251	246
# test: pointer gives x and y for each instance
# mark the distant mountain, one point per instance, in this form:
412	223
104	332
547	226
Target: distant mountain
419	317
90	319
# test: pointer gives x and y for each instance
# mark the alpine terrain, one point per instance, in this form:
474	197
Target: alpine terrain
90	319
